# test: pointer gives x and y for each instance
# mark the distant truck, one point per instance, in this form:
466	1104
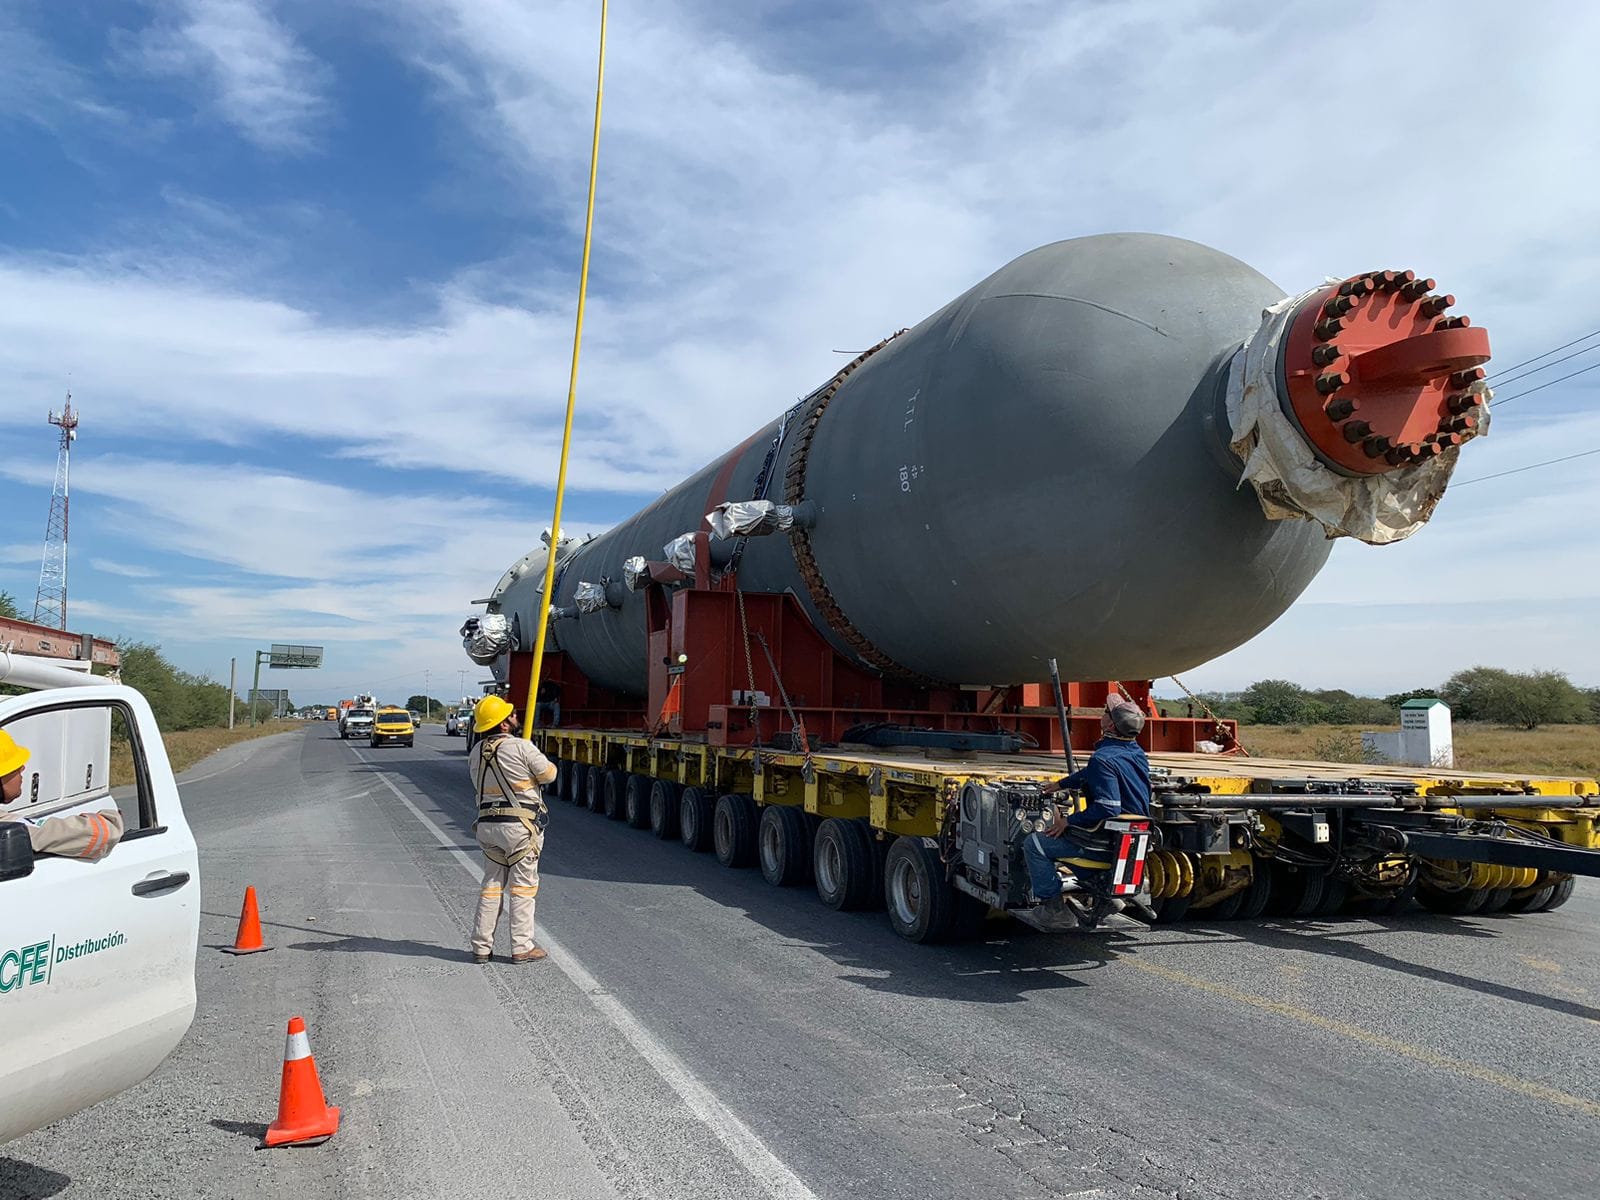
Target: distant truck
97	959
356	722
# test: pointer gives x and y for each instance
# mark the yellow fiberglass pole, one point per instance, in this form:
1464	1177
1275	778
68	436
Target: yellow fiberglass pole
531	706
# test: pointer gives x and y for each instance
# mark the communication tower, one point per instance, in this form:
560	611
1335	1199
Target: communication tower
50	604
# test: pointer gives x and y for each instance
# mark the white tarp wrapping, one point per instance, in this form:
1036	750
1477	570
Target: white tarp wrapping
486	638
589	597
749	518
633	574
680	553
1291	482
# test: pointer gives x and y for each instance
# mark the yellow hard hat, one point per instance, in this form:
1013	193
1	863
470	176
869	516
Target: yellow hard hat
490	712
12	756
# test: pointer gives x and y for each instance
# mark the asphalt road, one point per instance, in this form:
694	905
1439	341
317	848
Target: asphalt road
697	1033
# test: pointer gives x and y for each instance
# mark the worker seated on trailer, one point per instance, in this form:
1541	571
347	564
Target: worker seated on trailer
1116	782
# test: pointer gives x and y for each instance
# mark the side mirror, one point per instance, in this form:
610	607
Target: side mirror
16	851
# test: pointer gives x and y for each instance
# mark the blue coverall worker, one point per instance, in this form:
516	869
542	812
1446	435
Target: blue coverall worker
1116	781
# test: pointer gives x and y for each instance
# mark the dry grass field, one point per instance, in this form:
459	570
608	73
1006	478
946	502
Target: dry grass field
1559	750
188	746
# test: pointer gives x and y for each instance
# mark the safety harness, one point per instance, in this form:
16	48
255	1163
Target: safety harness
519	802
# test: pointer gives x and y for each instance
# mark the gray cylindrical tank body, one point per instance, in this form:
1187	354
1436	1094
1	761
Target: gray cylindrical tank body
1036	470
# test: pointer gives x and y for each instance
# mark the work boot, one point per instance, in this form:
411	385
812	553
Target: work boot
533	955
480	959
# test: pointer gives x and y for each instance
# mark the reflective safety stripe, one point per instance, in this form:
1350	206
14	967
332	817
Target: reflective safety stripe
297	1047
525	891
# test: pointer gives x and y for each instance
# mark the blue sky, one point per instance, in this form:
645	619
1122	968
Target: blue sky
309	270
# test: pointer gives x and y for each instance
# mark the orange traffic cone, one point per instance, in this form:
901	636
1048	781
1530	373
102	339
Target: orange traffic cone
248	939
304	1114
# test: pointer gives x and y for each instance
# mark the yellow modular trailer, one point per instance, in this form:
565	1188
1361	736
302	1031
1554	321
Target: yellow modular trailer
936	836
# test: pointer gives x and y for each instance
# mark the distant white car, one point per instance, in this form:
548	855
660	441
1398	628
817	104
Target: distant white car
96	958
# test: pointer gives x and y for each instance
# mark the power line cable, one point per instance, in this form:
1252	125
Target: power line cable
1499	382
1498	401
1550	462
1546	354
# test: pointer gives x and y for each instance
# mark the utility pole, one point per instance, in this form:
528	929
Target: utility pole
50	602
233	674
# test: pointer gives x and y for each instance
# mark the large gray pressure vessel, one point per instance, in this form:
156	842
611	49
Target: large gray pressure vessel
1039	469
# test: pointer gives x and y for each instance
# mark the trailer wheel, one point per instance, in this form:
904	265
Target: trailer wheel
1295	893
616	794
1497	901
784	843
922	906
594	789
844	862
1255	897
733	829
1530	899
1223	910
1335	891
664	809
694	818
1172	909
636	801
1559	895
576	789
1462	903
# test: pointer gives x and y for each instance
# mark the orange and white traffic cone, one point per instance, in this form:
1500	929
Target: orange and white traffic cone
304	1115
248	939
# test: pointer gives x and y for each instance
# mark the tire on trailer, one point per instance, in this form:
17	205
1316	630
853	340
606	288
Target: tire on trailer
1559	894
1498	899
1462	903
733	829
783	842
1172	909
664	795
1335	891
845	865
695	807
1531	898
577	786
922	906
1295	893
616	795
636	801
1254	898
594	789
1223	910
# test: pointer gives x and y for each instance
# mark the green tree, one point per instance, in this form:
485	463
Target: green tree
424	704
8	606
1526	699
1593	696
180	700
1276	702
1398	698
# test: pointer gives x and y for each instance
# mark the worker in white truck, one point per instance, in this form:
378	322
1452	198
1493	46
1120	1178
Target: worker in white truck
82	835
507	773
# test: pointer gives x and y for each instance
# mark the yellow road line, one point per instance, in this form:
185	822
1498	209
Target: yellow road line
1379	1041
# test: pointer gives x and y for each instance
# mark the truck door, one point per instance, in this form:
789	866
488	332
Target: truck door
96	958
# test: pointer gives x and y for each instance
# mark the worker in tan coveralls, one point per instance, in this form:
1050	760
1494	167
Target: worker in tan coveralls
507	773
83	835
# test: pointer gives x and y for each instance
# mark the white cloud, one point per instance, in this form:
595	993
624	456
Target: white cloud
125	570
259	77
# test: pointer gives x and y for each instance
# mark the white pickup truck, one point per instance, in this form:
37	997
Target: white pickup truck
96	958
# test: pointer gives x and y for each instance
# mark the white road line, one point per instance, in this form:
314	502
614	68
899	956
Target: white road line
753	1154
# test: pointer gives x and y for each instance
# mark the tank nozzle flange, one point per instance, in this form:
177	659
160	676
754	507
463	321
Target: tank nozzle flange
1415	374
